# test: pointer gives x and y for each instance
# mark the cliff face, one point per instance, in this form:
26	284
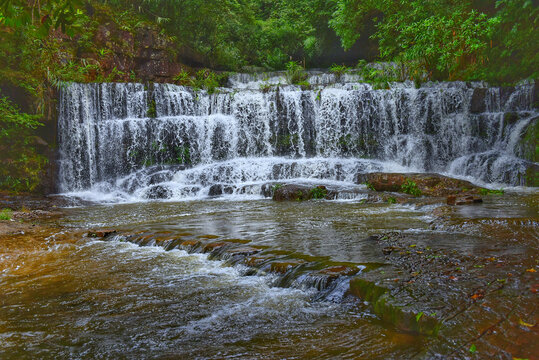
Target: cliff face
128	51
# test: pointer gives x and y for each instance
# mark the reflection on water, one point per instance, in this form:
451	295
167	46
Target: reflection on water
72	297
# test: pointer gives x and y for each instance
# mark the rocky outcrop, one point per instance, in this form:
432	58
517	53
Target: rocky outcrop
294	192
427	184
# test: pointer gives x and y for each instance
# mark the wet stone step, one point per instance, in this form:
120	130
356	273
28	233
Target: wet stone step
292	269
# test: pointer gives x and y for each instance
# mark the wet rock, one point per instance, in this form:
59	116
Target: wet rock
466	200
451	200
266	190
208	236
293	192
336	271
143	240
477	103
389	310
428	184
213	246
282	267
255	261
101	233
158	192
243	251
526	147
220	189
190	243
388	250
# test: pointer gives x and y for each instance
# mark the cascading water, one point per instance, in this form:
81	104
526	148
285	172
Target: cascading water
169	141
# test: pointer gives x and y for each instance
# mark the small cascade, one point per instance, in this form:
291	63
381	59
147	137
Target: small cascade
330	280
129	138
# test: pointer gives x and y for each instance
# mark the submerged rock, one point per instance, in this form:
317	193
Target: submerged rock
101	233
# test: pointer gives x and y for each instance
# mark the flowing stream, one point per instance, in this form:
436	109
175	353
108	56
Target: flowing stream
184	177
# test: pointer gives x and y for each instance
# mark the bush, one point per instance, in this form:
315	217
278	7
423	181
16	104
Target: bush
319	192
295	73
338	70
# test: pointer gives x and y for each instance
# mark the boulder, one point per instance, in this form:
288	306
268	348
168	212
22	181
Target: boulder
220	189
293	192
158	192
428	184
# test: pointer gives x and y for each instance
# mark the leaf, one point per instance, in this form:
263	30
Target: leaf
532	270
473	349
418	316
521	322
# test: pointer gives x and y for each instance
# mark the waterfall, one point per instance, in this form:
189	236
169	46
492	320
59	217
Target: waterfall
168	141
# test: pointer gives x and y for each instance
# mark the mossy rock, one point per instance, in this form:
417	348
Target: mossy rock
382	304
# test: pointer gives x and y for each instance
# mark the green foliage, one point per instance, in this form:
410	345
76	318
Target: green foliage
378	74
410	187
448	39
370	186
20	164
6	214
209	80
183	155
484	191
295	74
319	192
152	112
339	70
391	200
276	187
183	78
265	87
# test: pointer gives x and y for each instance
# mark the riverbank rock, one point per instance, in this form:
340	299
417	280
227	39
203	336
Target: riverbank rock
428	184
293	192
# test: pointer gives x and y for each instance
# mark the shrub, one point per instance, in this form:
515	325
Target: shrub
319	192
295	73
338	70
183	78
